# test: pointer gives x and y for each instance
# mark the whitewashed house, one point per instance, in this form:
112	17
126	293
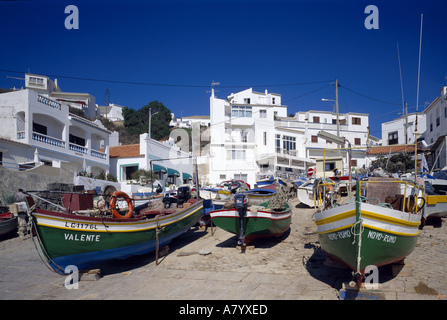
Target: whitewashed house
352	126
169	164
38	117
112	112
436	130
246	141
402	130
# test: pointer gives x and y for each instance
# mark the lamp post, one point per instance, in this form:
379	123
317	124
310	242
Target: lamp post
336	106
151	112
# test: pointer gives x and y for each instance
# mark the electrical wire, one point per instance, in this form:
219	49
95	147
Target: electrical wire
170	85
374	99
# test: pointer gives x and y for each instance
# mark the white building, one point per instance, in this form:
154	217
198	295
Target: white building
394	132
36	119
169	164
436	130
246	141
352	126
112	112
187	122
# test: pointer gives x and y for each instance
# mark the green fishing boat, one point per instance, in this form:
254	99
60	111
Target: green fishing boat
85	239
379	228
257	221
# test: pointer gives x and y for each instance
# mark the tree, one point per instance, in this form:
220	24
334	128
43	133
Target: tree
137	121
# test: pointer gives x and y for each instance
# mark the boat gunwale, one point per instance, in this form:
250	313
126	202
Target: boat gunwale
113	222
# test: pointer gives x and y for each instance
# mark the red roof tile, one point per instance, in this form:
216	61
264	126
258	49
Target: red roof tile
127	151
391	149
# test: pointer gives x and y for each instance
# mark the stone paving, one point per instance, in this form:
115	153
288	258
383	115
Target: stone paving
287	268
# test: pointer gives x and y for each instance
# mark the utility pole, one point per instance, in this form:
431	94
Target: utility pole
336	107
406	123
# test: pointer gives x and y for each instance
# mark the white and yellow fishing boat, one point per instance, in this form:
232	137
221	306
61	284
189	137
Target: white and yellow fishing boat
380	226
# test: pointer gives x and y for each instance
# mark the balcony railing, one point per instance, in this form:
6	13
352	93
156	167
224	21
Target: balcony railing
49	102
20	135
77	148
48	140
98	154
286	152
61	144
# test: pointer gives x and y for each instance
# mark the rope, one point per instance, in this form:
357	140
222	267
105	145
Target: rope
360	223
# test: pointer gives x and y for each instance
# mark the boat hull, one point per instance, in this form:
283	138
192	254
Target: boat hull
387	235
435	206
8	223
258	224
87	241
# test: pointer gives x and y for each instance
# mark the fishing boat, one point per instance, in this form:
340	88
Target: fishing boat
259	195
267	181
435	206
268	219
224	190
86	239
8	223
305	193
380	227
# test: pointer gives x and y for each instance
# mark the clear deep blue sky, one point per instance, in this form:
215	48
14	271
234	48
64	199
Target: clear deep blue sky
273	45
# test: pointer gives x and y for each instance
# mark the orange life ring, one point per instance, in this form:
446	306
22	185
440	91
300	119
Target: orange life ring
112	205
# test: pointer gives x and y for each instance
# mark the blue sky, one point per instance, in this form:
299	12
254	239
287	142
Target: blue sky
175	49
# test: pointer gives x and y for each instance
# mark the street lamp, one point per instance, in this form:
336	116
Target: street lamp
151	112
336	105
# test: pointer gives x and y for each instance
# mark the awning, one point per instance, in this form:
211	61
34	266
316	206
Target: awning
173	172
157	168
186	176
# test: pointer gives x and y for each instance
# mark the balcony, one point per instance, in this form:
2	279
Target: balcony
49	102
48	140
77	148
281	151
98	154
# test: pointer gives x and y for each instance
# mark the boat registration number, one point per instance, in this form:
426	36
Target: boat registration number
76	225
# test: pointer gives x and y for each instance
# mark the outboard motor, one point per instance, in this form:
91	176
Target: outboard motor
240	203
183	195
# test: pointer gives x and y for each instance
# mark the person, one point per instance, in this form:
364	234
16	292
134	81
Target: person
19	196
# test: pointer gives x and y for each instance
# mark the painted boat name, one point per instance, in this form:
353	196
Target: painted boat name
371	235
82	237
381	237
340	235
81	225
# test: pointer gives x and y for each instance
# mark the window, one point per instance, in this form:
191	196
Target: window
289	143
273	101
39	128
265	138
278	143
263	114
241	111
238	155
127	172
76	140
393	138
357	141
316	119
356	121
223	177
247	100
36	81
241	176
353	162
329	166
314	139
